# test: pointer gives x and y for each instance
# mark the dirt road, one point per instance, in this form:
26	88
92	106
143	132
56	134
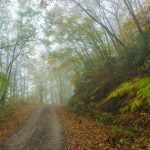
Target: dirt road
43	131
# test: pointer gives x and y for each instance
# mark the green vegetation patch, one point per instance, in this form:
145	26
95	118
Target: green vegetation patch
7	110
105	118
76	106
132	96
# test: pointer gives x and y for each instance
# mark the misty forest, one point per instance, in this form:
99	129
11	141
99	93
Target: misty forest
74	75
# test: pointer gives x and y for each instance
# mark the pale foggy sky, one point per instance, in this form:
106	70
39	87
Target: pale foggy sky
37	45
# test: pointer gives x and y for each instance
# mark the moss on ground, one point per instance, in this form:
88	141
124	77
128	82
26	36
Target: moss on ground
124	112
132	96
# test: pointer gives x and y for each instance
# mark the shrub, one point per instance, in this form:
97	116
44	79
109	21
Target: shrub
145	68
75	106
121	136
104	118
3	82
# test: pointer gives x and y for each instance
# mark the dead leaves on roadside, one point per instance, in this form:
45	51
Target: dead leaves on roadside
83	134
14	122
